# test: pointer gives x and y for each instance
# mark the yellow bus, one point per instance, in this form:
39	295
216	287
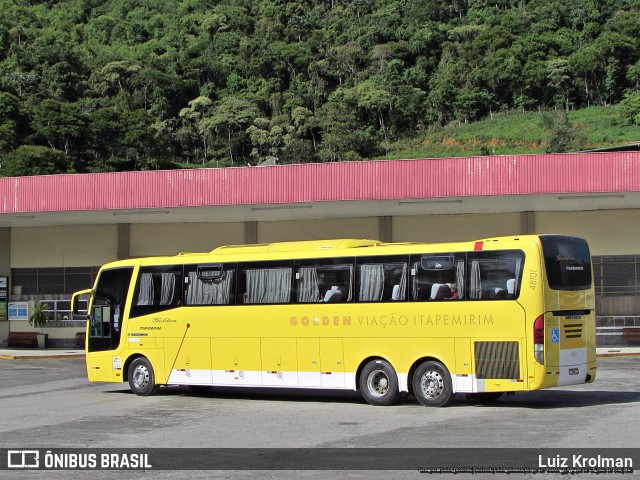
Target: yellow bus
507	314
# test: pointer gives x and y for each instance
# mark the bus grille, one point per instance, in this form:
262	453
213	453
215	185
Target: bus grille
497	360
573	330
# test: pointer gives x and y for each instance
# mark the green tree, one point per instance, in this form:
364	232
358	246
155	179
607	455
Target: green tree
9	122
34	160
374	98
443	90
630	109
58	123
303	122
559	77
231	116
564	137
470	102
103	145
339	132
192	117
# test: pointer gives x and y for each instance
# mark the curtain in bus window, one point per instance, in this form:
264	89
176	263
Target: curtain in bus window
460	278
516	279
308	288
403	284
268	285
475	285
415	286
145	295
350	296
168	288
209	292
371	282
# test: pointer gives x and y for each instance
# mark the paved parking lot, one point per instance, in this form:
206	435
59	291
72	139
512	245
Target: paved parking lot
49	403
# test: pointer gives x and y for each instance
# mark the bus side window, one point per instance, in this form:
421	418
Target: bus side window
438	276
264	283
494	275
382	279
209	284
157	289
324	280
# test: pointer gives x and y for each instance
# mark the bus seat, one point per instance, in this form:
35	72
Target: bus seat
500	293
333	295
440	291
395	293
511	286
423	292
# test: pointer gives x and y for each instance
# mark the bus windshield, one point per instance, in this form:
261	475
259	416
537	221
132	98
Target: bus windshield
567	261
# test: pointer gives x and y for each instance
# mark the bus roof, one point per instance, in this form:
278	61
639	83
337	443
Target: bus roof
302	246
321	248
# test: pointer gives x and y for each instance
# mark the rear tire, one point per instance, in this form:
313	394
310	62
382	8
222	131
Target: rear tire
379	383
432	384
142	379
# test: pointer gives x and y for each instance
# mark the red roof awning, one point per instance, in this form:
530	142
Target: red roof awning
286	184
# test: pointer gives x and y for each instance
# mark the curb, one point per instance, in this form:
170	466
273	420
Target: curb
37	357
618	354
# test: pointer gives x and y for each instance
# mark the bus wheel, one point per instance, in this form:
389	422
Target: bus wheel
432	384
379	383
141	377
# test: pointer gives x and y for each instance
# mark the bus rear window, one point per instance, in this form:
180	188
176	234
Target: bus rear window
567	261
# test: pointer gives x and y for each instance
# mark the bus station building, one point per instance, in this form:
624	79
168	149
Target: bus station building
56	231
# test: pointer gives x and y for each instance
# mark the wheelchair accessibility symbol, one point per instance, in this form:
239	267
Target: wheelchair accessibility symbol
555	335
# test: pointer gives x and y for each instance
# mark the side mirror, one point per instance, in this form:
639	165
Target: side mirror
75	301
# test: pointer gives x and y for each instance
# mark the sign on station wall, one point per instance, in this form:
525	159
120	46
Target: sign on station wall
4	292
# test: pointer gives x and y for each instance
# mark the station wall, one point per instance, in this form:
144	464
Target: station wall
63	246
172	238
608	233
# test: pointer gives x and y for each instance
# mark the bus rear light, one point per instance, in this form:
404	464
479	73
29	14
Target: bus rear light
538	339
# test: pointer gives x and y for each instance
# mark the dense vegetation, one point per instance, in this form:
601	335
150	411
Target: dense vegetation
512	133
95	85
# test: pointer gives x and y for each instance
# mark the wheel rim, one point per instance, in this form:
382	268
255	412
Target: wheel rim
141	376
432	384
378	383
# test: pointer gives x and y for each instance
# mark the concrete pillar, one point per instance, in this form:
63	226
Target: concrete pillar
385	229
250	232
124	241
527	223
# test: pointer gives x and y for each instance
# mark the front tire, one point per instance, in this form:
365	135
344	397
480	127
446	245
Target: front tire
379	383
432	384
142	379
